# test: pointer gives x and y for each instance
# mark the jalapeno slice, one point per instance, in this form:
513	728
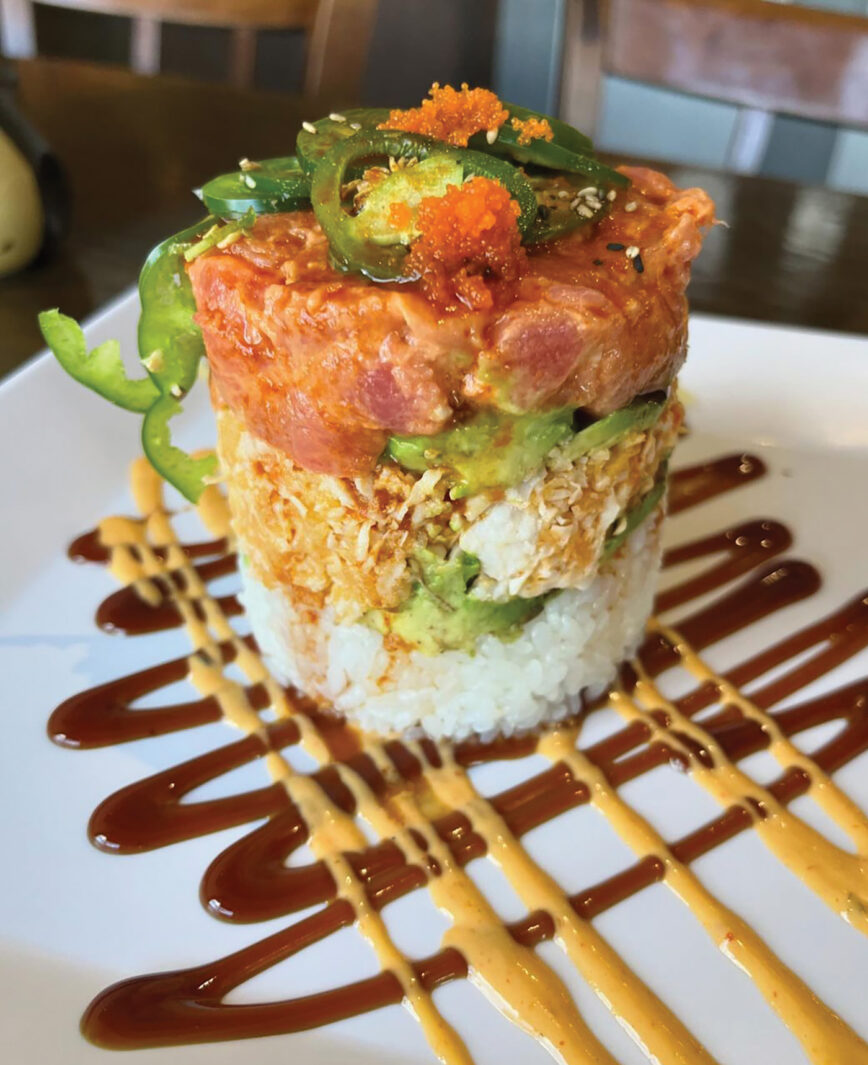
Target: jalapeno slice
101	369
349	246
565	135
186	473
317	139
170	342
266	188
564	203
569	150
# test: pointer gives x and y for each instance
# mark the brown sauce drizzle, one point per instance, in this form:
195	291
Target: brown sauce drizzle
696	484
250	880
125	611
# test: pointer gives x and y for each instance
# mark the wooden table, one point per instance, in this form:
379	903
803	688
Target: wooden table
134	148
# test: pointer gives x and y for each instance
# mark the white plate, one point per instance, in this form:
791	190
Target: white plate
73	920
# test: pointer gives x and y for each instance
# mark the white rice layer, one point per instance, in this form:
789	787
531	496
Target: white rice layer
573	646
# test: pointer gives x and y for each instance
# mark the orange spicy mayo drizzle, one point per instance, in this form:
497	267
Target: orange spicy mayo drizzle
431	822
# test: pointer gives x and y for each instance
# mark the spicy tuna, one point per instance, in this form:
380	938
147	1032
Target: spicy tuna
442	347
326	365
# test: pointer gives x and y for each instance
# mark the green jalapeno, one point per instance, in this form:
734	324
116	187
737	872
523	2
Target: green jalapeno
634	518
170	346
101	370
565	136
569	150
350	248
267	187
186	473
318	138
170	342
564	202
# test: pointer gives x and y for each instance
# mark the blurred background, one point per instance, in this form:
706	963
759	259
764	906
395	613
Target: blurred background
112	111
517	47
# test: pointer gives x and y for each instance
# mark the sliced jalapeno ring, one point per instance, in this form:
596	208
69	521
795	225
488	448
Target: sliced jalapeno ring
318	138
350	249
553	157
560	208
101	369
170	342
565	135
270	186
183	471
569	150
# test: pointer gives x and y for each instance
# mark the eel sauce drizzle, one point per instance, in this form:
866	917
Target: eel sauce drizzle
432	822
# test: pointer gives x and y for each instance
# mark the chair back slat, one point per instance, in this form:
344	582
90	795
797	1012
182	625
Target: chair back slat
582	64
338	31
785	58
261	14
145	46
17	29
338	48
242	56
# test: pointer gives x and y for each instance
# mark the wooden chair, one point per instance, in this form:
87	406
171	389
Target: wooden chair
338	33
766	57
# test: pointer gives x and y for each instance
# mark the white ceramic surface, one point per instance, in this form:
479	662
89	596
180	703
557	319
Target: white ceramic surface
73	920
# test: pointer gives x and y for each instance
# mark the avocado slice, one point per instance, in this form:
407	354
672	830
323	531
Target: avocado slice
408	185
490	450
441	615
494	449
636	515
638	416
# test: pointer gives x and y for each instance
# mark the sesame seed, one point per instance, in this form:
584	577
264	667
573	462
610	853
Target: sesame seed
638	264
335	117
585	212
355	125
610	195
491	135
563	194
591	190
308	127
593	202
632	252
631	206
614	247
575	203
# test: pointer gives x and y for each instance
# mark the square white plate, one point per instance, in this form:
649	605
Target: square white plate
73	920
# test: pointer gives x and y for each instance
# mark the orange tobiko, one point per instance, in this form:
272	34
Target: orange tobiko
469	250
451	115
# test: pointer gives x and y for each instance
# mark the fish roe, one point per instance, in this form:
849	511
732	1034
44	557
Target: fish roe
532	129
469	250
400	215
451	115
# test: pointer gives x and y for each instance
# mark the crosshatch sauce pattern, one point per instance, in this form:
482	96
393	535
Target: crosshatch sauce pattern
418	797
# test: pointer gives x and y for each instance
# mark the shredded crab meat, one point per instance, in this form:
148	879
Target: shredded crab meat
349	545
548	532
